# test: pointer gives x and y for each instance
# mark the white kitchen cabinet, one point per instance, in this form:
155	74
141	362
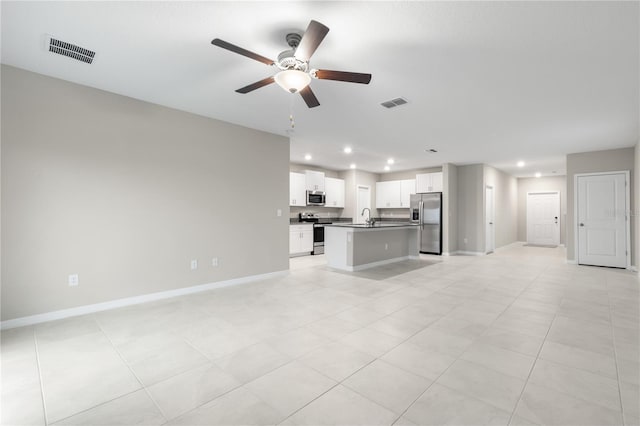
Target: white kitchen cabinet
394	194
407	187
334	189
429	182
300	239
297	189
314	180
388	194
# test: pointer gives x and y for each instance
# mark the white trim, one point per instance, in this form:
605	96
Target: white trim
486	220
135	300
572	261
576	249
357	213
633	268
559	211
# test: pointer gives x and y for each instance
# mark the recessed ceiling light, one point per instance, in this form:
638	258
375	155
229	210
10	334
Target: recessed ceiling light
307	157
538	174
520	164
387	168
352	166
390	161
347	150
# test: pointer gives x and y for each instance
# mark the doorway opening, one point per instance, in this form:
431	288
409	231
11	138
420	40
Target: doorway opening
363	201
543	218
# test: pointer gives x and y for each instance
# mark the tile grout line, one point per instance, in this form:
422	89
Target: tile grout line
535	361
341	382
44	403
130	370
615	353
460	356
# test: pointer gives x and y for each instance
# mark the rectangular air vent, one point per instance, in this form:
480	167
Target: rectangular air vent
70	50
394	103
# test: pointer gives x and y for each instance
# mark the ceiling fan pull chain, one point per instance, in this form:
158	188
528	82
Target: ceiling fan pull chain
291	120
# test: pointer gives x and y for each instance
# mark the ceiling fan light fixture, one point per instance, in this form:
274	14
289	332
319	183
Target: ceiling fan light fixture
292	80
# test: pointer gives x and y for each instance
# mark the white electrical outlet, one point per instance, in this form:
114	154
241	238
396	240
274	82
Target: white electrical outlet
214	261
194	264
73	280
279	212
465	241
386	246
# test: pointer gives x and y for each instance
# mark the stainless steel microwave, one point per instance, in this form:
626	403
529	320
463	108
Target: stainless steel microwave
315	198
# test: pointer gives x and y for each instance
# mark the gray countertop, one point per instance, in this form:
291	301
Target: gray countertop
376	225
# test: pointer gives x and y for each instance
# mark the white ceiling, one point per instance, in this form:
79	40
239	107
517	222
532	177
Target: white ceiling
490	82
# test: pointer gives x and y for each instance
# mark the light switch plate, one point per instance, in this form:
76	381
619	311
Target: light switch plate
73	280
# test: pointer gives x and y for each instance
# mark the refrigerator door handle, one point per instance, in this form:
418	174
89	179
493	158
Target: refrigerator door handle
420	214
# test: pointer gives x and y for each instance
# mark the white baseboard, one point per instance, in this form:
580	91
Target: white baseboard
572	262
633	268
135	300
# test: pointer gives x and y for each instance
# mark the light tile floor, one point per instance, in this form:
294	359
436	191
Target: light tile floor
518	337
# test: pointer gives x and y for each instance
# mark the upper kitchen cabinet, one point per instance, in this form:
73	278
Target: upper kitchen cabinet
407	187
334	189
314	180
387	194
429	182
297	189
394	194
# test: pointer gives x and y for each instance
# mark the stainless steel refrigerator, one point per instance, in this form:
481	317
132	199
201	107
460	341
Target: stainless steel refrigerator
426	210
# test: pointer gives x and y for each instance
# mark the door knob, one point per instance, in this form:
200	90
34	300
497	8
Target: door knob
582	224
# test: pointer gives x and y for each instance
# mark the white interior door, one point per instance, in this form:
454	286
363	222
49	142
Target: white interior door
601	220
363	200
490	234
543	218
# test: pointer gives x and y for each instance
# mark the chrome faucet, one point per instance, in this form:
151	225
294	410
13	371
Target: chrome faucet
369	221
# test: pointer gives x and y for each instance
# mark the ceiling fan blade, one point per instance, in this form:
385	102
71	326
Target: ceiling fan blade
351	77
311	40
239	50
309	98
256	85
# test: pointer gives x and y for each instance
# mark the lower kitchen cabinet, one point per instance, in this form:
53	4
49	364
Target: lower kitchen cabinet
300	239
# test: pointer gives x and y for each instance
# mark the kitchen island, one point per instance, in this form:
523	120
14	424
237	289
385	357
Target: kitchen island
354	247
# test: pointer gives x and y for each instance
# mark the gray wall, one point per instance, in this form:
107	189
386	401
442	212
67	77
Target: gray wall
594	162
506	205
124	193
470	208
353	178
407	174
450	209
549	183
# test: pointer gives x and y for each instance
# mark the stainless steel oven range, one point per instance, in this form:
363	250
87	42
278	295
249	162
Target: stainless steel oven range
318	230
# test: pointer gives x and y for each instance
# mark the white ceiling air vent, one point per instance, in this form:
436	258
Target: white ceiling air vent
394	103
70	50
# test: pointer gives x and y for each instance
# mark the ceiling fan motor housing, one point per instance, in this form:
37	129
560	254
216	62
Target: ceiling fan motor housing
287	59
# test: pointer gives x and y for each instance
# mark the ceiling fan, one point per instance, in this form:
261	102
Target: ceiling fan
295	73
